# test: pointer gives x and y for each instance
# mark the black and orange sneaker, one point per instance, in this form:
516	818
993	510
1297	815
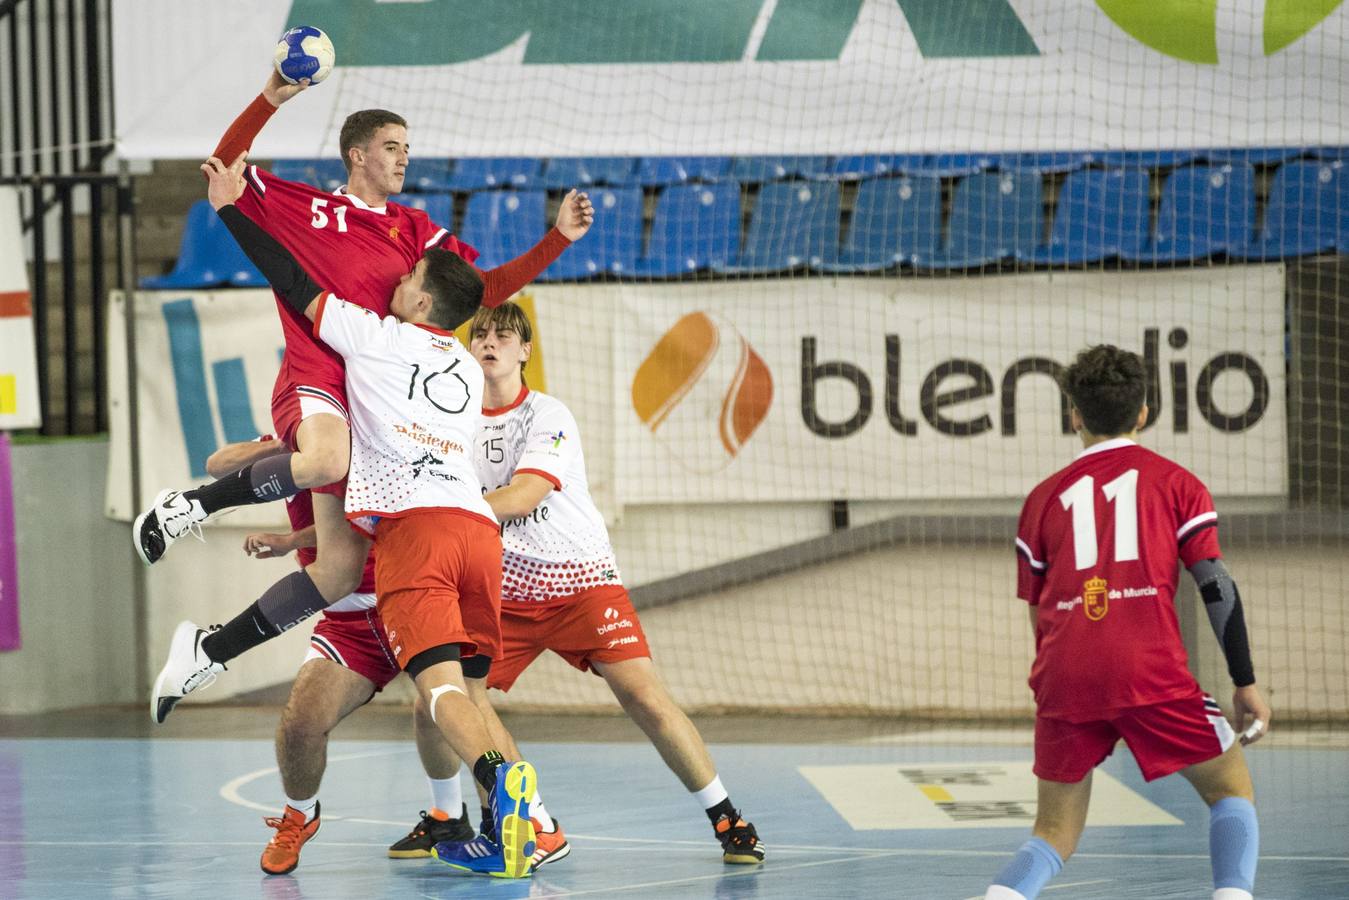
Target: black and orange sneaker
549	846
739	841
429	832
282	853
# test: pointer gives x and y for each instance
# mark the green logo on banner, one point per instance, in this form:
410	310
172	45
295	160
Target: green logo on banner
1187	29
438	32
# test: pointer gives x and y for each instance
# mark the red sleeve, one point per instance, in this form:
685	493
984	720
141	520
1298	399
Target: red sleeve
503	281
1030	556
239	136
1196	522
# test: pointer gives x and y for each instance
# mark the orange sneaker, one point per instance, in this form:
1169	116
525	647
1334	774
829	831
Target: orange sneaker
549	846
282	853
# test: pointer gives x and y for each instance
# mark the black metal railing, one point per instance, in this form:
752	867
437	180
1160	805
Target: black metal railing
55	136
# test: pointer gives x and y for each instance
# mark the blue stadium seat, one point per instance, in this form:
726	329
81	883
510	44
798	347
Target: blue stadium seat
658	171
993	217
501	225
1303	211
696	227
208	256
565	173
893	221
1204	210
1101	213
440	207
613	243
943	165
870	165
1330	152
1142	159
327	174
427	175
795	224
758	169
1052	162
1256	156
477	173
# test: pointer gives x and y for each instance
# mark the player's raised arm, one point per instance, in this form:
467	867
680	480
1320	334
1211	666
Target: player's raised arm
286	276
574	218
1222	602
239	137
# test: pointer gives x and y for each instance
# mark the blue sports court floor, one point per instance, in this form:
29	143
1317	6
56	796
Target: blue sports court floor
847	809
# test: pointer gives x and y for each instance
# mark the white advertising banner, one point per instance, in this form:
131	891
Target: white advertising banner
19	401
935	389
814	389
745	76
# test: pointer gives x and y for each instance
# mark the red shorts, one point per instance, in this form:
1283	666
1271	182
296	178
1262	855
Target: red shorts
1164	738
597	625
438	579
355	640
293	403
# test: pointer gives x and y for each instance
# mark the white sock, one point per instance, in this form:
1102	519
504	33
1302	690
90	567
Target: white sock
711	795
539	813
446	795
1231	893
304	806
1002	892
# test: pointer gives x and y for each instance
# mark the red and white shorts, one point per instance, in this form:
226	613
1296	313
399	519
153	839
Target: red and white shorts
356	641
438	577
293	403
596	625
1164	738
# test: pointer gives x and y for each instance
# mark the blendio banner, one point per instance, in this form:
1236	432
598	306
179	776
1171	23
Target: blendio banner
935	389
640	77
19	405
797	389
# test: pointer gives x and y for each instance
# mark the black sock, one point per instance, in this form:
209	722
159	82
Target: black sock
485	770
285	604
263	481
724	808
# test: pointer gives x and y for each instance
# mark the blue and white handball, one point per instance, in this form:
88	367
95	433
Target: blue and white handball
304	52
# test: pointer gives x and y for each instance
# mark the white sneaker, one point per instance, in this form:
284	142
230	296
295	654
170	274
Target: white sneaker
171	516
188	668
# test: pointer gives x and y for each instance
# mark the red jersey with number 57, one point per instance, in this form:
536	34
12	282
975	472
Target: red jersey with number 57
352	249
1098	548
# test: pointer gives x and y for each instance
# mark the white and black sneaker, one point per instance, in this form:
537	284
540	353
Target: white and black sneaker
187	669
170	517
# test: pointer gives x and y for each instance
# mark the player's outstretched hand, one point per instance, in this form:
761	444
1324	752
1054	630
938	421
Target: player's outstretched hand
278	90
575	215
1252	713
267	546
225	184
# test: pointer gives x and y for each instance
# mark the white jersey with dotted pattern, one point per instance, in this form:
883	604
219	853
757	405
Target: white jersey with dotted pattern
415	400
562	547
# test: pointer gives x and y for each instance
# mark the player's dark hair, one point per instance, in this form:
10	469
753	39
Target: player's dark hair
361	126
455	288
508	316
1108	386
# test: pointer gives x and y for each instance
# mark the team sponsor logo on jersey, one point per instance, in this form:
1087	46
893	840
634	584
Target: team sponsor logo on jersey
1094	599
421	436
630	639
393	232
611	613
609	574
558	438
703	385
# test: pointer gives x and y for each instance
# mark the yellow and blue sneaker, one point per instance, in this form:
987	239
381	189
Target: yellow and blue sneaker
509	802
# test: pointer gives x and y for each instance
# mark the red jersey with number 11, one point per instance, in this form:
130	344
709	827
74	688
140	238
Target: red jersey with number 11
1098	551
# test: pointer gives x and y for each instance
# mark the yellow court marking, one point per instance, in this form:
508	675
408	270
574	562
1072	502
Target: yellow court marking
936	794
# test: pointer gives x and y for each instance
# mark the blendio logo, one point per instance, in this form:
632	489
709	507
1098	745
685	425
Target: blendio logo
975	382
613	626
